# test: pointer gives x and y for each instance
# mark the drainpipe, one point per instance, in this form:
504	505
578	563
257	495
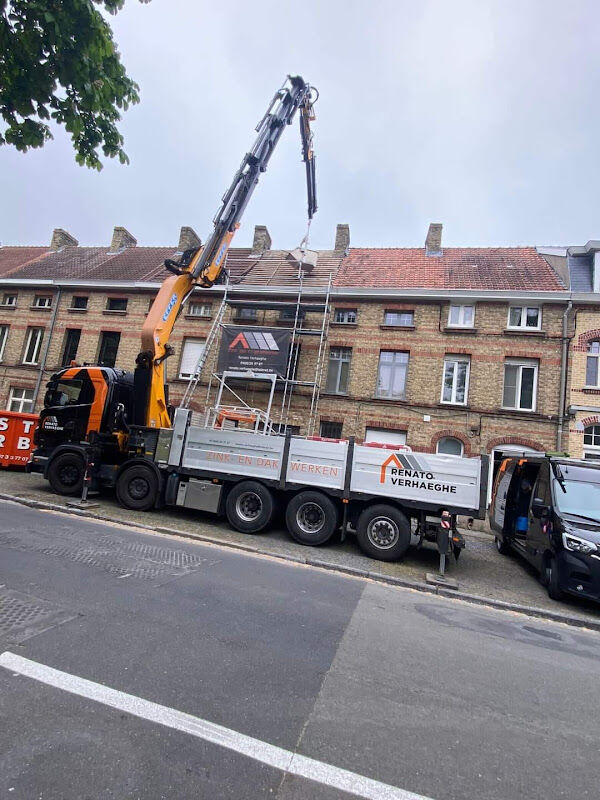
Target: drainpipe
563	375
42	369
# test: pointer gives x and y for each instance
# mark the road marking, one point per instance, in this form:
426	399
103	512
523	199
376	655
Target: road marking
277	757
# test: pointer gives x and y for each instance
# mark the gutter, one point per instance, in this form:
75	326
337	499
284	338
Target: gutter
42	368
564	359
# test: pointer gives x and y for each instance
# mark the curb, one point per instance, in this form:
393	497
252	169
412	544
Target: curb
530	611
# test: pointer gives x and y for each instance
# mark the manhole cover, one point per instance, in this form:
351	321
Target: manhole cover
22	616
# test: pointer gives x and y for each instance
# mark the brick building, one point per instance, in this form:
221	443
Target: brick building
457	350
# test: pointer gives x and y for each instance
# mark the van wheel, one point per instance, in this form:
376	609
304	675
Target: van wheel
552	581
383	532
311	518
137	487
249	507
66	473
501	546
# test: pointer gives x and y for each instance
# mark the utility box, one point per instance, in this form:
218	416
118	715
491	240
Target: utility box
16	438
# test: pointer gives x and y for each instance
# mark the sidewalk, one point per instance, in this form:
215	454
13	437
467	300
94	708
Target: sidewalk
480	572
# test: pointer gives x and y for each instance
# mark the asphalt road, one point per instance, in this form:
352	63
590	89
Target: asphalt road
431	696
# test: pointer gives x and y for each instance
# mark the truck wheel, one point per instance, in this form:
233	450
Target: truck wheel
311	518
137	487
249	507
66	473
383	532
501	546
552	582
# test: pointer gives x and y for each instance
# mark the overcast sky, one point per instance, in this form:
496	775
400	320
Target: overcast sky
480	114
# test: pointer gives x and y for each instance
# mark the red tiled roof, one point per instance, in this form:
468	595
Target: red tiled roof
484	268
11	258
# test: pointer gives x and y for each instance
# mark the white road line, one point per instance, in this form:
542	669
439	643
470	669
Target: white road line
277	757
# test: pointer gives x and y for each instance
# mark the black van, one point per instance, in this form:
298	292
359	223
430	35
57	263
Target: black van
547	508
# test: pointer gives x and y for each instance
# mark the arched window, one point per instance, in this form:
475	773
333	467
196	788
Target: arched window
591	436
449	446
592	373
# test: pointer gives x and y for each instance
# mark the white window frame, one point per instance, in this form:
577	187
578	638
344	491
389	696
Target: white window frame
399	365
42	301
521	364
337	357
461	315
523	326
454	439
396	436
203	309
399	314
9	300
17	403
345	312
453	361
593	353
38	333
185	358
3	338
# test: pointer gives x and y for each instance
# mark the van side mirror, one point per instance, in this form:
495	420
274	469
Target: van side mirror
539	509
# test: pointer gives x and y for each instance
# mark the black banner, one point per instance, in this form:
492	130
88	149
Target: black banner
256	349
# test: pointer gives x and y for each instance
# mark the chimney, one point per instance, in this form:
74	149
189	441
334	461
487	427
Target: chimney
188	239
60	239
342	238
262	239
433	243
121	239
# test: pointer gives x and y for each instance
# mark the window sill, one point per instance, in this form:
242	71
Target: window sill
462	406
343	324
7	307
334	394
458	329
77	310
242	321
40	308
520	332
518	410
397	327
390	399
113	312
591	390
26	364
191	316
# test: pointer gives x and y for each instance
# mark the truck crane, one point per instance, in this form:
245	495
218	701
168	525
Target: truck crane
119	413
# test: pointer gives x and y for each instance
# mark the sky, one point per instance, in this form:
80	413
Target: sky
479	114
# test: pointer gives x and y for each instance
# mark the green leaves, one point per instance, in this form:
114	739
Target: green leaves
58	60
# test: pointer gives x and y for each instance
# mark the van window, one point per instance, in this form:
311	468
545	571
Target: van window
578	491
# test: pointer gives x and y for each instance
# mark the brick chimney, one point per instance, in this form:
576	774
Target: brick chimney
121	239
60	239
433	242
188	239
262	239
342	238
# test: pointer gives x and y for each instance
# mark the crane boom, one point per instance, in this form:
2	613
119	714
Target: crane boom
204	266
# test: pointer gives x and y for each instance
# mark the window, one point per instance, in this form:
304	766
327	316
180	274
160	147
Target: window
79	302
461	316
289	314
190	355
199	309
391	377
525	317
331	430
281	429
339	370
72	337
9	300
42	301
33	345
400	319
20	400
591	435
109	346
347	316
520	379
455	385
385	436
246	313
591	367
449	446
3	338
116	304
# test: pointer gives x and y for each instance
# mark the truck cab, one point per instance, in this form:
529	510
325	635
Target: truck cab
547	509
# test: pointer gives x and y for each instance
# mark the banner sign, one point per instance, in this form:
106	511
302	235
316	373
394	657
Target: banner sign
258	349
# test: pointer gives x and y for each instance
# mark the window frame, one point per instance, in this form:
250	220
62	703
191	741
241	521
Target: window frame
75	297
7	295
101	346
37	301
454	439
522	326
399	314
522	364
185	376
455	360
21	400
327	435
32	331
334	362
595	356
246	314
198	304
345	312
110	300
64	362
461	315
406	364
4	331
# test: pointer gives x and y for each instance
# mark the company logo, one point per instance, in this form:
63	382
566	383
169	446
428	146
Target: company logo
254	340
220	254
401	471
169	308
51	424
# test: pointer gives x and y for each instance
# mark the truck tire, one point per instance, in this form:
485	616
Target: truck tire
501	546
552	580
137	487
383	532
311	518
249	507
66	473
